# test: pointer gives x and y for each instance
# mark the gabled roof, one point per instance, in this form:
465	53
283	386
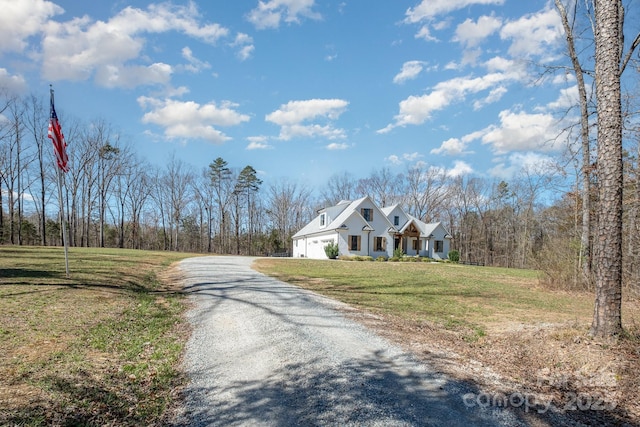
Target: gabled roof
338	215
426	229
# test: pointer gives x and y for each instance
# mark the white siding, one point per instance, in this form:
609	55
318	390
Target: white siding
312	246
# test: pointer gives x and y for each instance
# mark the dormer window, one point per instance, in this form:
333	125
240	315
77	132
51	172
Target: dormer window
323	220
396	220
367	214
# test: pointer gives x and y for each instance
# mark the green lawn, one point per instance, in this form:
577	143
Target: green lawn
442	293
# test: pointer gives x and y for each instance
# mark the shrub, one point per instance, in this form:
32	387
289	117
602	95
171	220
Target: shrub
331	250
398	253
381	258
454	256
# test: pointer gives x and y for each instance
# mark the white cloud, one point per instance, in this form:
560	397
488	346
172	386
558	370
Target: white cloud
412	156
394	159
534	34
415	110
258	143
410	71
195	65
457	147
451	147
337	146
520	131
406	157
460	168
494	96
563	78
190	120
245	44
429	9
132	76
22	19
295	112
288	132
567	99
271	13
291	116
425	33
12	83
517	162
81	48
471	34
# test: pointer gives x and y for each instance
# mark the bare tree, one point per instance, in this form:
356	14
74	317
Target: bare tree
382	186
339	187
569	23
428	188
205	195
177	182
289	209
36	125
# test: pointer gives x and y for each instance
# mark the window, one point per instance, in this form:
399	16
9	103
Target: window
381	244
416	245
396	220
367	214
439	246
323	220
354	243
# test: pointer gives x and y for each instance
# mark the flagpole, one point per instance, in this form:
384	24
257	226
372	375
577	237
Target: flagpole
64	224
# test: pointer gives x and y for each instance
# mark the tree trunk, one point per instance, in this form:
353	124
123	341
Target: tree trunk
607	317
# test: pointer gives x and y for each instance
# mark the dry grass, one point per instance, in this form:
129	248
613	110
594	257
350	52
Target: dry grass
99	348
496	327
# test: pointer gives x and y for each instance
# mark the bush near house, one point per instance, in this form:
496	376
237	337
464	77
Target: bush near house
398	253
331	250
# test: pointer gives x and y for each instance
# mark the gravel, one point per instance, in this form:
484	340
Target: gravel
267	353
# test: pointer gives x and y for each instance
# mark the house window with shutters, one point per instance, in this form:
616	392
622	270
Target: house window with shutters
367	214
416	245
438	246
354	243
381	244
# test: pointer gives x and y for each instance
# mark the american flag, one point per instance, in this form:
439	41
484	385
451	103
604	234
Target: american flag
59	145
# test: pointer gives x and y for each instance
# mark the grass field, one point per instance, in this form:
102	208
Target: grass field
449	295
476	322
99	348
103	347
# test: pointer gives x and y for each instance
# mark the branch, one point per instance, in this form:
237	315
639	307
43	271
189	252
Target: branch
633	47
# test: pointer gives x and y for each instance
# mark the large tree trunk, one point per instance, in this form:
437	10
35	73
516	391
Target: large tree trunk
607	318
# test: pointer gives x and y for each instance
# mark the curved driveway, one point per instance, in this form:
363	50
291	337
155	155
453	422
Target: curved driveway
267	353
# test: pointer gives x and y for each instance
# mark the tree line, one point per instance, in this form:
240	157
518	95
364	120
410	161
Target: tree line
115	199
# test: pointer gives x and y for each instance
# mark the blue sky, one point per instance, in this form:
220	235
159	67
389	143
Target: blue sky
303	89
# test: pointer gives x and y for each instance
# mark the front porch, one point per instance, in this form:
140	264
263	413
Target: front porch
411	242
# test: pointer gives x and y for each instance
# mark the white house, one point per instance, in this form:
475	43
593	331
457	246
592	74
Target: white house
360	227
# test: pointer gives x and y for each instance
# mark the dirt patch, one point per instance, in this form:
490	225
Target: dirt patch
559	365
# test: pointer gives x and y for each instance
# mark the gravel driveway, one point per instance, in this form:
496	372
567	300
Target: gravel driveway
267	353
